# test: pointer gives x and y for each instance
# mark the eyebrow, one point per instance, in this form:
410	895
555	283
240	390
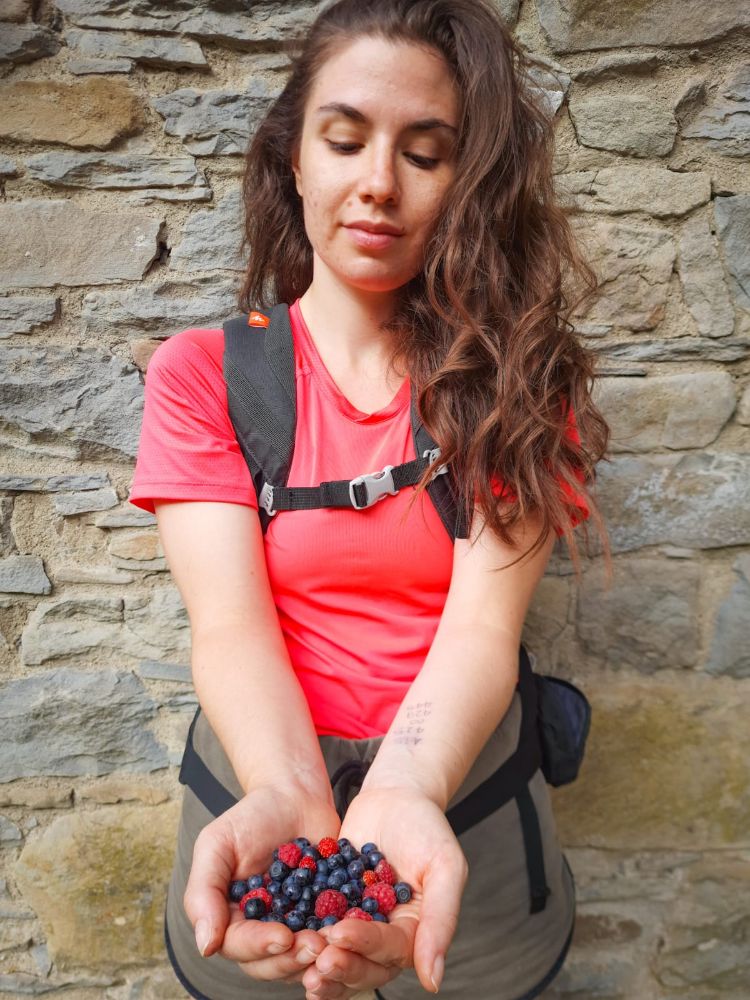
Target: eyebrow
423	125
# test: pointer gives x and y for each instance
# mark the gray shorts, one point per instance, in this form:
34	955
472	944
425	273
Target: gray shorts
501	950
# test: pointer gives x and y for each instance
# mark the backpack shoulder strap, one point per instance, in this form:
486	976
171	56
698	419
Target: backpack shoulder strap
441	489
258	368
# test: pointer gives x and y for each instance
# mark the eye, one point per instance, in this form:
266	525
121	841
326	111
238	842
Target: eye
347	148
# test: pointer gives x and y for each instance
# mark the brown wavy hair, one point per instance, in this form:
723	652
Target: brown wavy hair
483	329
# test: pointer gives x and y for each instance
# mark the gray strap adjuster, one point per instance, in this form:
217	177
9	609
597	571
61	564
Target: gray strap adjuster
378	485
432	455
265	499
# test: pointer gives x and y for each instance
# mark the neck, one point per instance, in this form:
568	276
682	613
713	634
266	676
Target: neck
347	323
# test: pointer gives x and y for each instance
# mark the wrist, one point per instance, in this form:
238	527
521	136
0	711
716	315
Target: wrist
293	776
407	776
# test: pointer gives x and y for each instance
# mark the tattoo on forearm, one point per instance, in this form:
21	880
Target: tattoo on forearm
410	732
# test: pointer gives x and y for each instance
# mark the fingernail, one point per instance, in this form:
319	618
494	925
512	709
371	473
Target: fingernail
437	972
326	966
202	935
306	955
276	948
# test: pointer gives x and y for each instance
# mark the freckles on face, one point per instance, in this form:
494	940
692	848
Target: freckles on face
377	145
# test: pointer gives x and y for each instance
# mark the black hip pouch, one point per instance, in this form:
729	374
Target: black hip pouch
563	719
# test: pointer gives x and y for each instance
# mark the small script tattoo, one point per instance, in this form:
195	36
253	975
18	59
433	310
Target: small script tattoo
410	733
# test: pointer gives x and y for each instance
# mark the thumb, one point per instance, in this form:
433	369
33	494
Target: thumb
442	888
205	897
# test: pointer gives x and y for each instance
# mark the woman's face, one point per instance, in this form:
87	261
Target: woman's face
376	148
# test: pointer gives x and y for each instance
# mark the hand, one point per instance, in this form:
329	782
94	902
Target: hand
237	844
417	839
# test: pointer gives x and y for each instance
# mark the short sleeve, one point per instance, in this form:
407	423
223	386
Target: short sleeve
576	501
188	449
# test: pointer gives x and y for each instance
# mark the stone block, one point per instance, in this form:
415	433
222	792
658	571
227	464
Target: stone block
666	411
69	723
113	170
743	409
69	504
733	228
703	284
698	500
634	124
23	575
646	619
211	238
23	43
730	650
50	484
652	190
108	871
50	243
667	768
689	348
23	313
577	25
86	114
163	52
83	396
725	121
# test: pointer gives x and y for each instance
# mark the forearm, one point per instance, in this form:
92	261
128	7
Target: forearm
253	701
454	704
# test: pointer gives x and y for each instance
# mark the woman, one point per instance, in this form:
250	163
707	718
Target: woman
398	196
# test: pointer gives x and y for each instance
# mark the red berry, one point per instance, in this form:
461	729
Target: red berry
369	878
384	894
309	863
328	846
330	902
263	894
267	879
357	914
384	872
290	854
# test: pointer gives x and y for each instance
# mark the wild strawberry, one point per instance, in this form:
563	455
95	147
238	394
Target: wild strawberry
383	893
328	846
309	863
369	878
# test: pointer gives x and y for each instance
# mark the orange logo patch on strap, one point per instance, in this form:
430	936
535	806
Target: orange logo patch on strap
257	319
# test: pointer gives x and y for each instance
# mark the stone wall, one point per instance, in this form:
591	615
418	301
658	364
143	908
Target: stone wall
121	131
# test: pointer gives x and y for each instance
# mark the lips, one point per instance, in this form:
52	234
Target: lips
374	227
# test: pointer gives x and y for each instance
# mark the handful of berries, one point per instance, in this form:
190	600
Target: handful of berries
313	886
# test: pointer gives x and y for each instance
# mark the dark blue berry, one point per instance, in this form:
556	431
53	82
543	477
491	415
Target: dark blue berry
372	859
381	917
403	892
312	924
355	868
301	842
361	883
305	907
323	867
348	853
302	875
311	852
368	848
291	889
275	854
254	909
335	861
237	889
370	905
274	887
343	842
327	921
256	882
295	921
351	891
308	894
337	878
279	870
281	905
319	885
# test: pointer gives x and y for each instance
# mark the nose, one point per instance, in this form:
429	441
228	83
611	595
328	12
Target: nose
379	178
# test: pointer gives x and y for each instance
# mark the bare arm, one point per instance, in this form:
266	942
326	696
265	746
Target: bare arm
241	669
467	682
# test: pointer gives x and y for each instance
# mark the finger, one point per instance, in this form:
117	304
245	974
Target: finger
291	965
329	990
349	968
205	896
442	888
386	944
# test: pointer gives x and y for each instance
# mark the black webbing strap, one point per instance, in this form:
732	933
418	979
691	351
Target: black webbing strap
205	786
532	839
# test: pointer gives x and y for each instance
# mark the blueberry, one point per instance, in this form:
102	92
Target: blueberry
255	882
348	853
344	842
337	878
319	885
372	858
254	909
323	867
335	861
351	891
380	917
237	889
305	907
278	870
368	848
312	924
275	854
403	892
311	852
274	887
370	905
327	921
355	868
361	883
302	875
308	894
291	889
295	921
301	842
281	905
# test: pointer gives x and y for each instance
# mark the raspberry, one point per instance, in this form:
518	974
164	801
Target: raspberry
263	894
384	872
328	846
330	904
356	914
369	878
310	863
383	893
290	854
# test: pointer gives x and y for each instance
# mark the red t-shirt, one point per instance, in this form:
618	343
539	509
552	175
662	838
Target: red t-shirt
358	593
